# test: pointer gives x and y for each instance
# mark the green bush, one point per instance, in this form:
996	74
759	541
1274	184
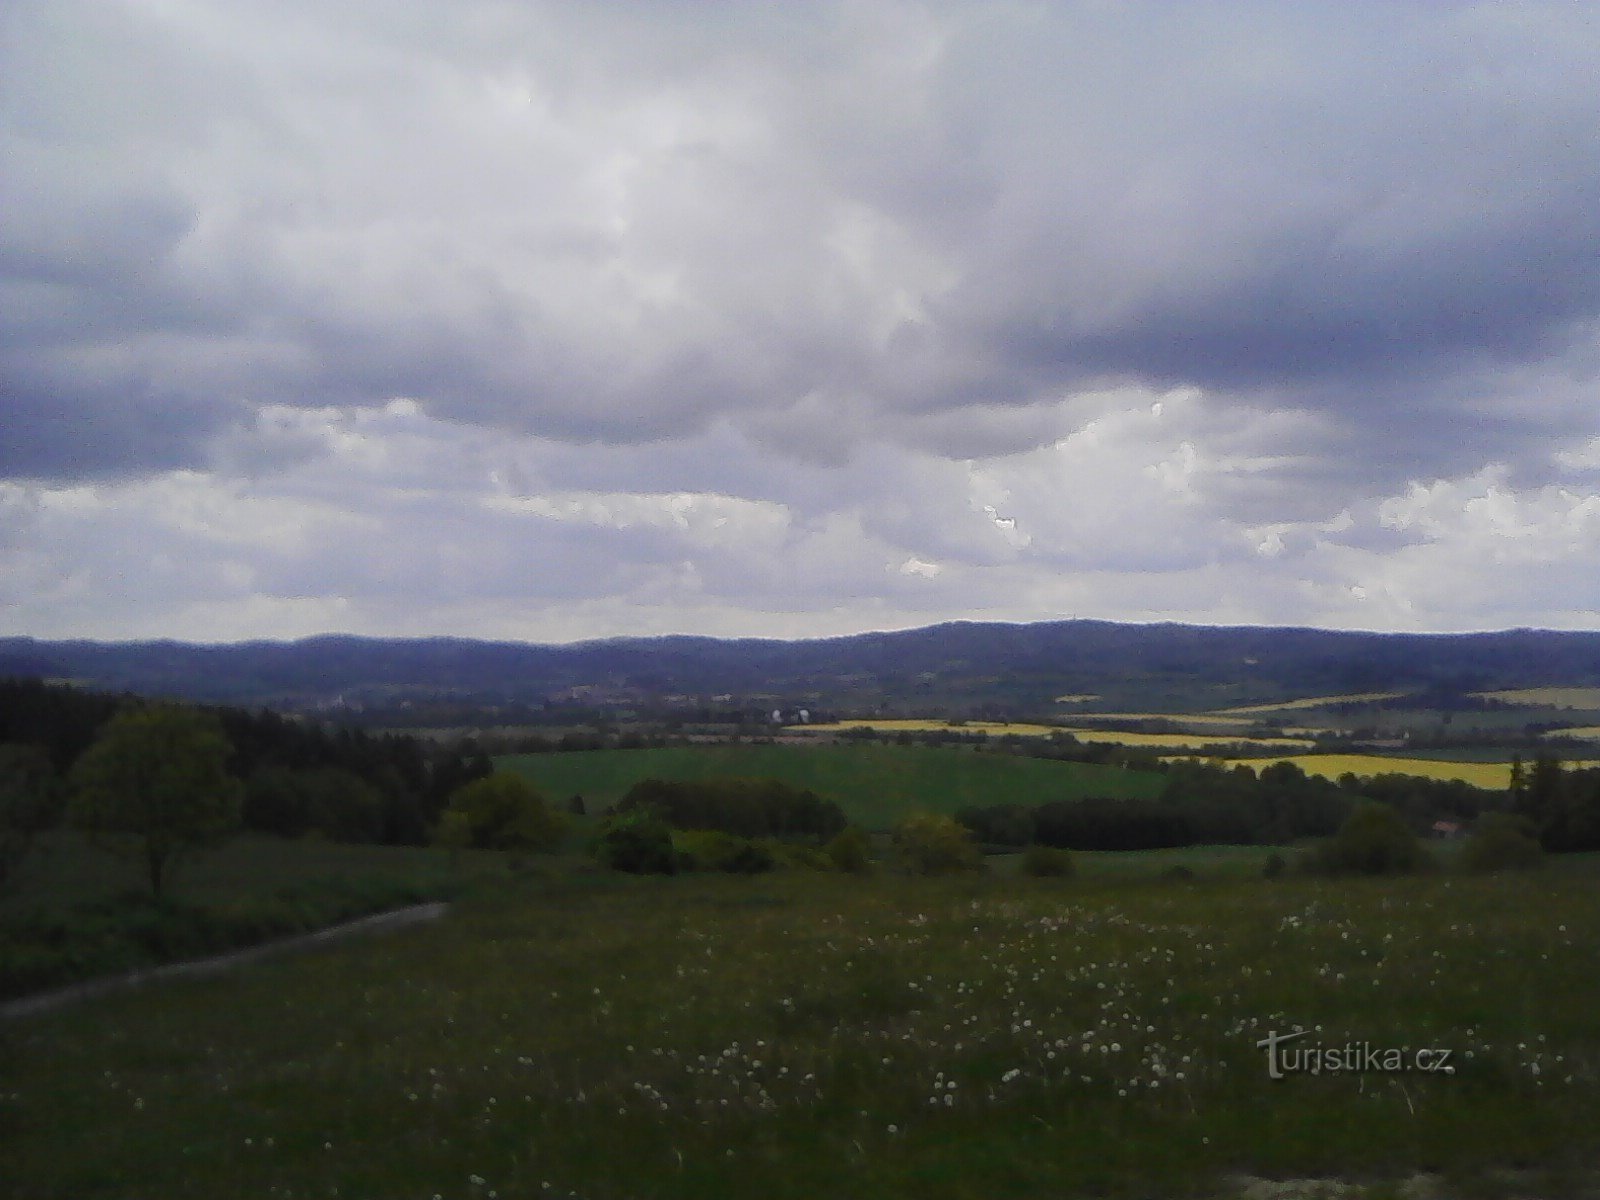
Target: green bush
1274	867
1373	840
850	850
1502	841
930	844
793	856
713	850
638	842
1046	862
502	811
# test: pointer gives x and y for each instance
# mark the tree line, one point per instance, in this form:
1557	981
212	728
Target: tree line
296	778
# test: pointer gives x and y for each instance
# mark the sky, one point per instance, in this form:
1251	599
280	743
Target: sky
552	321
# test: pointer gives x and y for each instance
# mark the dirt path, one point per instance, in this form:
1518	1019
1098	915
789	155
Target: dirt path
377	922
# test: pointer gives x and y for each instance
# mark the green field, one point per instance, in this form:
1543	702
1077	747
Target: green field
803	1036
875	785
80	913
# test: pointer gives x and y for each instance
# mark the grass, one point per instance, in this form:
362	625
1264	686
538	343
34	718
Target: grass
806	1036
80	913
875	785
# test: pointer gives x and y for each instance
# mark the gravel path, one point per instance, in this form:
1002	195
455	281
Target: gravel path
48	1001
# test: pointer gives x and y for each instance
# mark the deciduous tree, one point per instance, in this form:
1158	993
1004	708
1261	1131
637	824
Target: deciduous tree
155	785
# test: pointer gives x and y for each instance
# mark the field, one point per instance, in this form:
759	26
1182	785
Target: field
1548	697
79	912
1308	702
1166	741
925	725
810	1036
1331	766
875	785
1180	741
1196	719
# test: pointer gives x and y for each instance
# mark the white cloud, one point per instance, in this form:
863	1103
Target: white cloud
553	319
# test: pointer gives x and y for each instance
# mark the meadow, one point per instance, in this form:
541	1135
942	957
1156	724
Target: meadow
805	1035
80	913
874	785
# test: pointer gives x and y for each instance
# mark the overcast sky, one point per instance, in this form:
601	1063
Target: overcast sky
553	321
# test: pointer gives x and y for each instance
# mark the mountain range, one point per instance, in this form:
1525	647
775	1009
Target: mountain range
961	667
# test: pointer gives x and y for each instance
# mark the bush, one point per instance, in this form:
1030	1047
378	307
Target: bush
1274	867
713	850
1177	873
1372	841
1046	862
928	844
501	812
1502	841
850	850
638	842
749	808
791	856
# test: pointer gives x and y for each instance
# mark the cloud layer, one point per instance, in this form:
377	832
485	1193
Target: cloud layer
563	320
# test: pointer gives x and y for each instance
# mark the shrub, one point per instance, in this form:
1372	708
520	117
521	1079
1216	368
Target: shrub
1274	867
1046	862
928	844
638	842
501	812
850	850
1502	841
1372	841
713	850
747	807
1177	873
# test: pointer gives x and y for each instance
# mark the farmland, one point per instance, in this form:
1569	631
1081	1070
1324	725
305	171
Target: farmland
1165	741
808	1035
874	785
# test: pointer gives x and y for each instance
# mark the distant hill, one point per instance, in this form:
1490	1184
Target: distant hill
962	668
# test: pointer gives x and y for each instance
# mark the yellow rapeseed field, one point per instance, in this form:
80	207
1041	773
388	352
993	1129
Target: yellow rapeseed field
1308	702
1554	697
1331	766
1180	741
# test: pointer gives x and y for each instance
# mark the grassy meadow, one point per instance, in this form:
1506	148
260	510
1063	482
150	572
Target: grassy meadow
79	912
874	785
806	1035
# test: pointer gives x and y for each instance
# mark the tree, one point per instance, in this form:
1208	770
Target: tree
501	812
155	785
1501	841
1373	840
933	844
27	804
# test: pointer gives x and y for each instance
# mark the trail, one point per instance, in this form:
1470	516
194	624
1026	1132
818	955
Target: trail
378	922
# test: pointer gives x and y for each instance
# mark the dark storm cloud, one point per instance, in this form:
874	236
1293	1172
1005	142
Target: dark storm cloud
617	225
